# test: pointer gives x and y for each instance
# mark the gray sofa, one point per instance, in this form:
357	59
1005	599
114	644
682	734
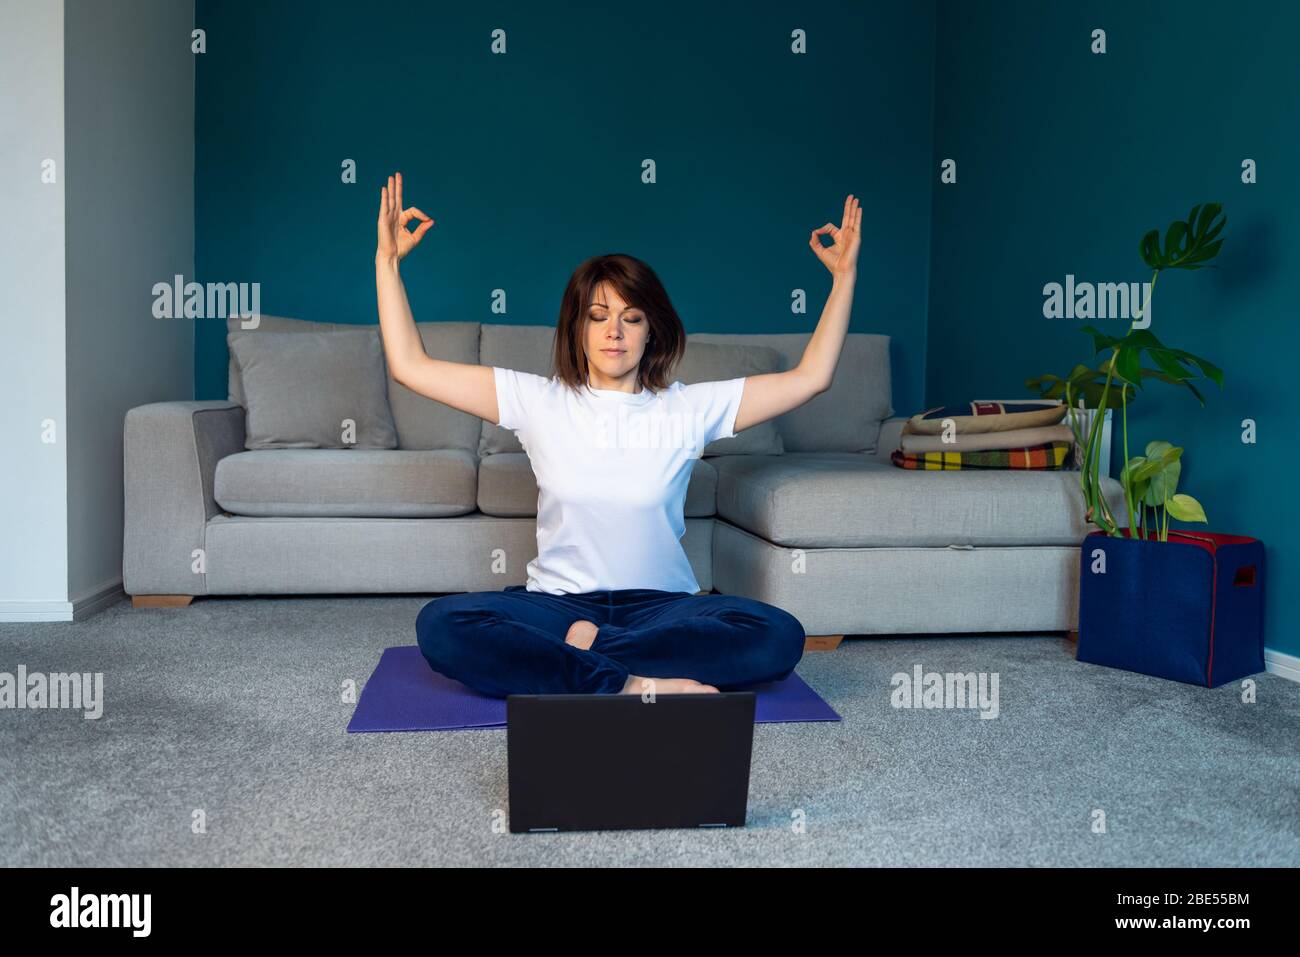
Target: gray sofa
828	530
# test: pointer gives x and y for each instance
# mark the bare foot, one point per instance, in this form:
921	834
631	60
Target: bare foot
638	685
581	634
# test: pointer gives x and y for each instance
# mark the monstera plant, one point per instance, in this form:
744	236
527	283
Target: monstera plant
1129	583
1150	480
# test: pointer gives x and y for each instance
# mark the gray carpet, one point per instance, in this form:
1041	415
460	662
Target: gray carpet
232	706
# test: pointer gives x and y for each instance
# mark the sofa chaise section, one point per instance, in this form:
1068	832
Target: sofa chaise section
850	544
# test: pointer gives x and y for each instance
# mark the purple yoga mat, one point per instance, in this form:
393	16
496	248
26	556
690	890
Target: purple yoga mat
405	694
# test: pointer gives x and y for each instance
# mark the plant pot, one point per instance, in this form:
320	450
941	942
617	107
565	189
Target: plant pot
1190	609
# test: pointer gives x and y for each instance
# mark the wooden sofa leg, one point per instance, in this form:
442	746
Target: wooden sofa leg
822	642
160	601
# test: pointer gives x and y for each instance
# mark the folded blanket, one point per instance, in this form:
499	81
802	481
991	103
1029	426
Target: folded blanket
976	441
987	417
1050	455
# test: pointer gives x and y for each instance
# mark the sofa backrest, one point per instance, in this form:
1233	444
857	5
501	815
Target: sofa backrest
522	348
421	423
844	418
847	416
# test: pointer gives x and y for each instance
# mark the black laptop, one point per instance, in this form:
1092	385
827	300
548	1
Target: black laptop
586	762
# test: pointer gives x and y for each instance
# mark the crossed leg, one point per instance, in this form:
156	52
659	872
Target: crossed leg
513	642
726	641
503	643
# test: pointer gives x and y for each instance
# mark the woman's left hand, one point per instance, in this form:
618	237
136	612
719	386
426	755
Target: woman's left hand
841	258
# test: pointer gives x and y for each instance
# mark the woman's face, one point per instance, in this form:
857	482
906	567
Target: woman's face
614	338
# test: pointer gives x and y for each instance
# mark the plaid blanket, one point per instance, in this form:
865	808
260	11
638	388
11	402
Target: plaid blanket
1049	455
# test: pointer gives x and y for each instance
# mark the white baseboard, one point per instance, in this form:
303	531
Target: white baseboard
1284	665
35	611
100	597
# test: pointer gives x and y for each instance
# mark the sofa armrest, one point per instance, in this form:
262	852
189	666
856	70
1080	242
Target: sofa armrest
170	452
891	436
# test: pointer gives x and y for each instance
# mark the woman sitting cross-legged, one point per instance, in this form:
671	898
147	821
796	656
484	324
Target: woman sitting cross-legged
611	603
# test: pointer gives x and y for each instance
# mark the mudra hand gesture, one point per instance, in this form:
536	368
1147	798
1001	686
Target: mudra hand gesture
841	258
395	240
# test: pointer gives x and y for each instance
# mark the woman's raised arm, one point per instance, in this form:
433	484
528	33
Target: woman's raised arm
461	385
775	393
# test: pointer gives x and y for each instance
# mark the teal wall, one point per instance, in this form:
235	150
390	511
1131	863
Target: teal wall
1065	159
531	162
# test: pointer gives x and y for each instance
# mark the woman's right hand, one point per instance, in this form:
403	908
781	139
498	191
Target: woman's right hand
395	240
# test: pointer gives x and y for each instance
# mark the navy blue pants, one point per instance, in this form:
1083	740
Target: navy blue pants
512	641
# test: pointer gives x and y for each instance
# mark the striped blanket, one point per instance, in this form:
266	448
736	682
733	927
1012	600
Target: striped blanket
1049	455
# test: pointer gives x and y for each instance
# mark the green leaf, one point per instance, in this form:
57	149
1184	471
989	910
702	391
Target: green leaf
1144	339
1141	339
1081	373
1165	482
1174	241
1131	466
1129	366
1187	243
1048	385
1100	340
1208	212
1185	508
1139	492
1150	249
1208	368
1214	230
1085	383
1147	470
1205	253
1159	465
1170	365
1153	374
1155	464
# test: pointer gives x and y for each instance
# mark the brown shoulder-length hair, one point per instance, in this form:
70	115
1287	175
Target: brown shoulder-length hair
637	283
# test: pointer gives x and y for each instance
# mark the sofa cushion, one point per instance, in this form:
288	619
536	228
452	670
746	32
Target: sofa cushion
847	416
347	483
421	423
301	389
508	488
846	500
234	327
717	362
529	348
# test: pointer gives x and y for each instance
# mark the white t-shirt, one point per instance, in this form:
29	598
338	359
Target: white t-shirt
612	470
